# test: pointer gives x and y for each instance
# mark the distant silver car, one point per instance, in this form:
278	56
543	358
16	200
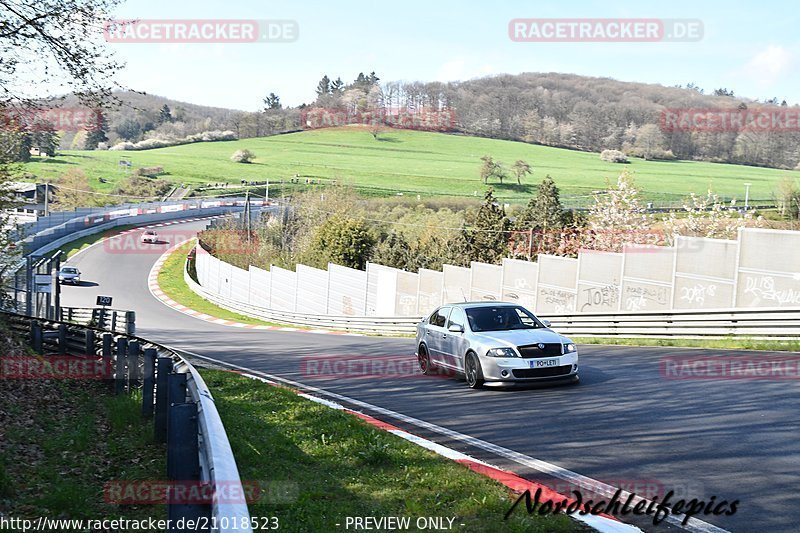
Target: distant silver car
494	342
150	236
69	274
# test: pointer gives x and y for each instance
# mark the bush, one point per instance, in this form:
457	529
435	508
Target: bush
125	145
243	156
150	172
613	156
160	142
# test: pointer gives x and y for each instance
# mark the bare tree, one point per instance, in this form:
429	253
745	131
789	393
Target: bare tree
53	43
521	168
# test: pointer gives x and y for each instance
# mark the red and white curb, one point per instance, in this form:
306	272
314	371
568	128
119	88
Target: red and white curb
601	522
155	290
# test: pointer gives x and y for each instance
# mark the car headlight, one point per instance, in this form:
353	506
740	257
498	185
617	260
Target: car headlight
570	347
502	352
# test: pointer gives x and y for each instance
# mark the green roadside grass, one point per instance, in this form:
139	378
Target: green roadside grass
320	465
731	343
171	281
61	441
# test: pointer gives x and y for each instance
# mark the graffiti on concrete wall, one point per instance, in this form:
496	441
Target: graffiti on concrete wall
764	289
697	293
596	298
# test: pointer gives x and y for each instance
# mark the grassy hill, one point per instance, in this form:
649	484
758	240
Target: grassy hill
411	162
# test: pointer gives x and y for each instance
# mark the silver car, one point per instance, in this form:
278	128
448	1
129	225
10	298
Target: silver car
69	274
494	342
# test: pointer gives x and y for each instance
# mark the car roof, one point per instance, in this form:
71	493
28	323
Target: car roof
482	303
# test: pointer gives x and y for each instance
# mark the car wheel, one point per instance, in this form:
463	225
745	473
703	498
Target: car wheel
424	360
473	371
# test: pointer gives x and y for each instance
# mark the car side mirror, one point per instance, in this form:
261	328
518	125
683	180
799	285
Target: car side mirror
546	323
455	328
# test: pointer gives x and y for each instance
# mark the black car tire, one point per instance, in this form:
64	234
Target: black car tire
473	371
424	360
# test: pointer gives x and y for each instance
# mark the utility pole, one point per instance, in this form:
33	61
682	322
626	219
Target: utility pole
746	195
247	214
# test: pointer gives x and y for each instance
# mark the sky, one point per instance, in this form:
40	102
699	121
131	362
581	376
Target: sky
752	50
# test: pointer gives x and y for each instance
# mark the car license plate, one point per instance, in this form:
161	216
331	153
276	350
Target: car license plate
543	363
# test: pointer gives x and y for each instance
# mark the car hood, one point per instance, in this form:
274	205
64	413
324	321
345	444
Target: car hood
522	337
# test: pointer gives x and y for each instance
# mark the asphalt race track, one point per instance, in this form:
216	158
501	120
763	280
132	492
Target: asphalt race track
623	424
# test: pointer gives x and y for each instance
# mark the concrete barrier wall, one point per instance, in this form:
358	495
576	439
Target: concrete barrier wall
768	271
312	290
599	281
347	291
759	269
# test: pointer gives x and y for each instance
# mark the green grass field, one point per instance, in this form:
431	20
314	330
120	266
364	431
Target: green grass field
411	162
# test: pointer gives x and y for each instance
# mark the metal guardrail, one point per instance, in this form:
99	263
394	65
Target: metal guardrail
114	320
174	395
772	323
757	323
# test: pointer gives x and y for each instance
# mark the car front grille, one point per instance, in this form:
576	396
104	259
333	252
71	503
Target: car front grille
542	372
533	350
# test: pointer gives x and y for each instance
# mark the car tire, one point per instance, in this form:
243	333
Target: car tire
473	371
424	360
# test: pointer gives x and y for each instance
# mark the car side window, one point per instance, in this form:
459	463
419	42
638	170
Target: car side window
526	319
439	318
457	317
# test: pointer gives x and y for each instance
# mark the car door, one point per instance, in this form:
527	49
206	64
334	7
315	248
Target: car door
454	345
435	334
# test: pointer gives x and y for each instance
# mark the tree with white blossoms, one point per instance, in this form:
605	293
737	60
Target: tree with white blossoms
708	216
617	217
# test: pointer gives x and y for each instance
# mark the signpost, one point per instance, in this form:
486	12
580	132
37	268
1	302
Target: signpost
103	302
43	283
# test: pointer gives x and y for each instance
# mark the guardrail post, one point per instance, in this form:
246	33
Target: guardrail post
120	372
113	321
62	339
183	458
134	376
37	339
89	342
176	395
130	322
148	383
108	357
163	369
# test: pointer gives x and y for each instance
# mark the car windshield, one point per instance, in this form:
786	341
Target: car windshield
501	318
69	270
